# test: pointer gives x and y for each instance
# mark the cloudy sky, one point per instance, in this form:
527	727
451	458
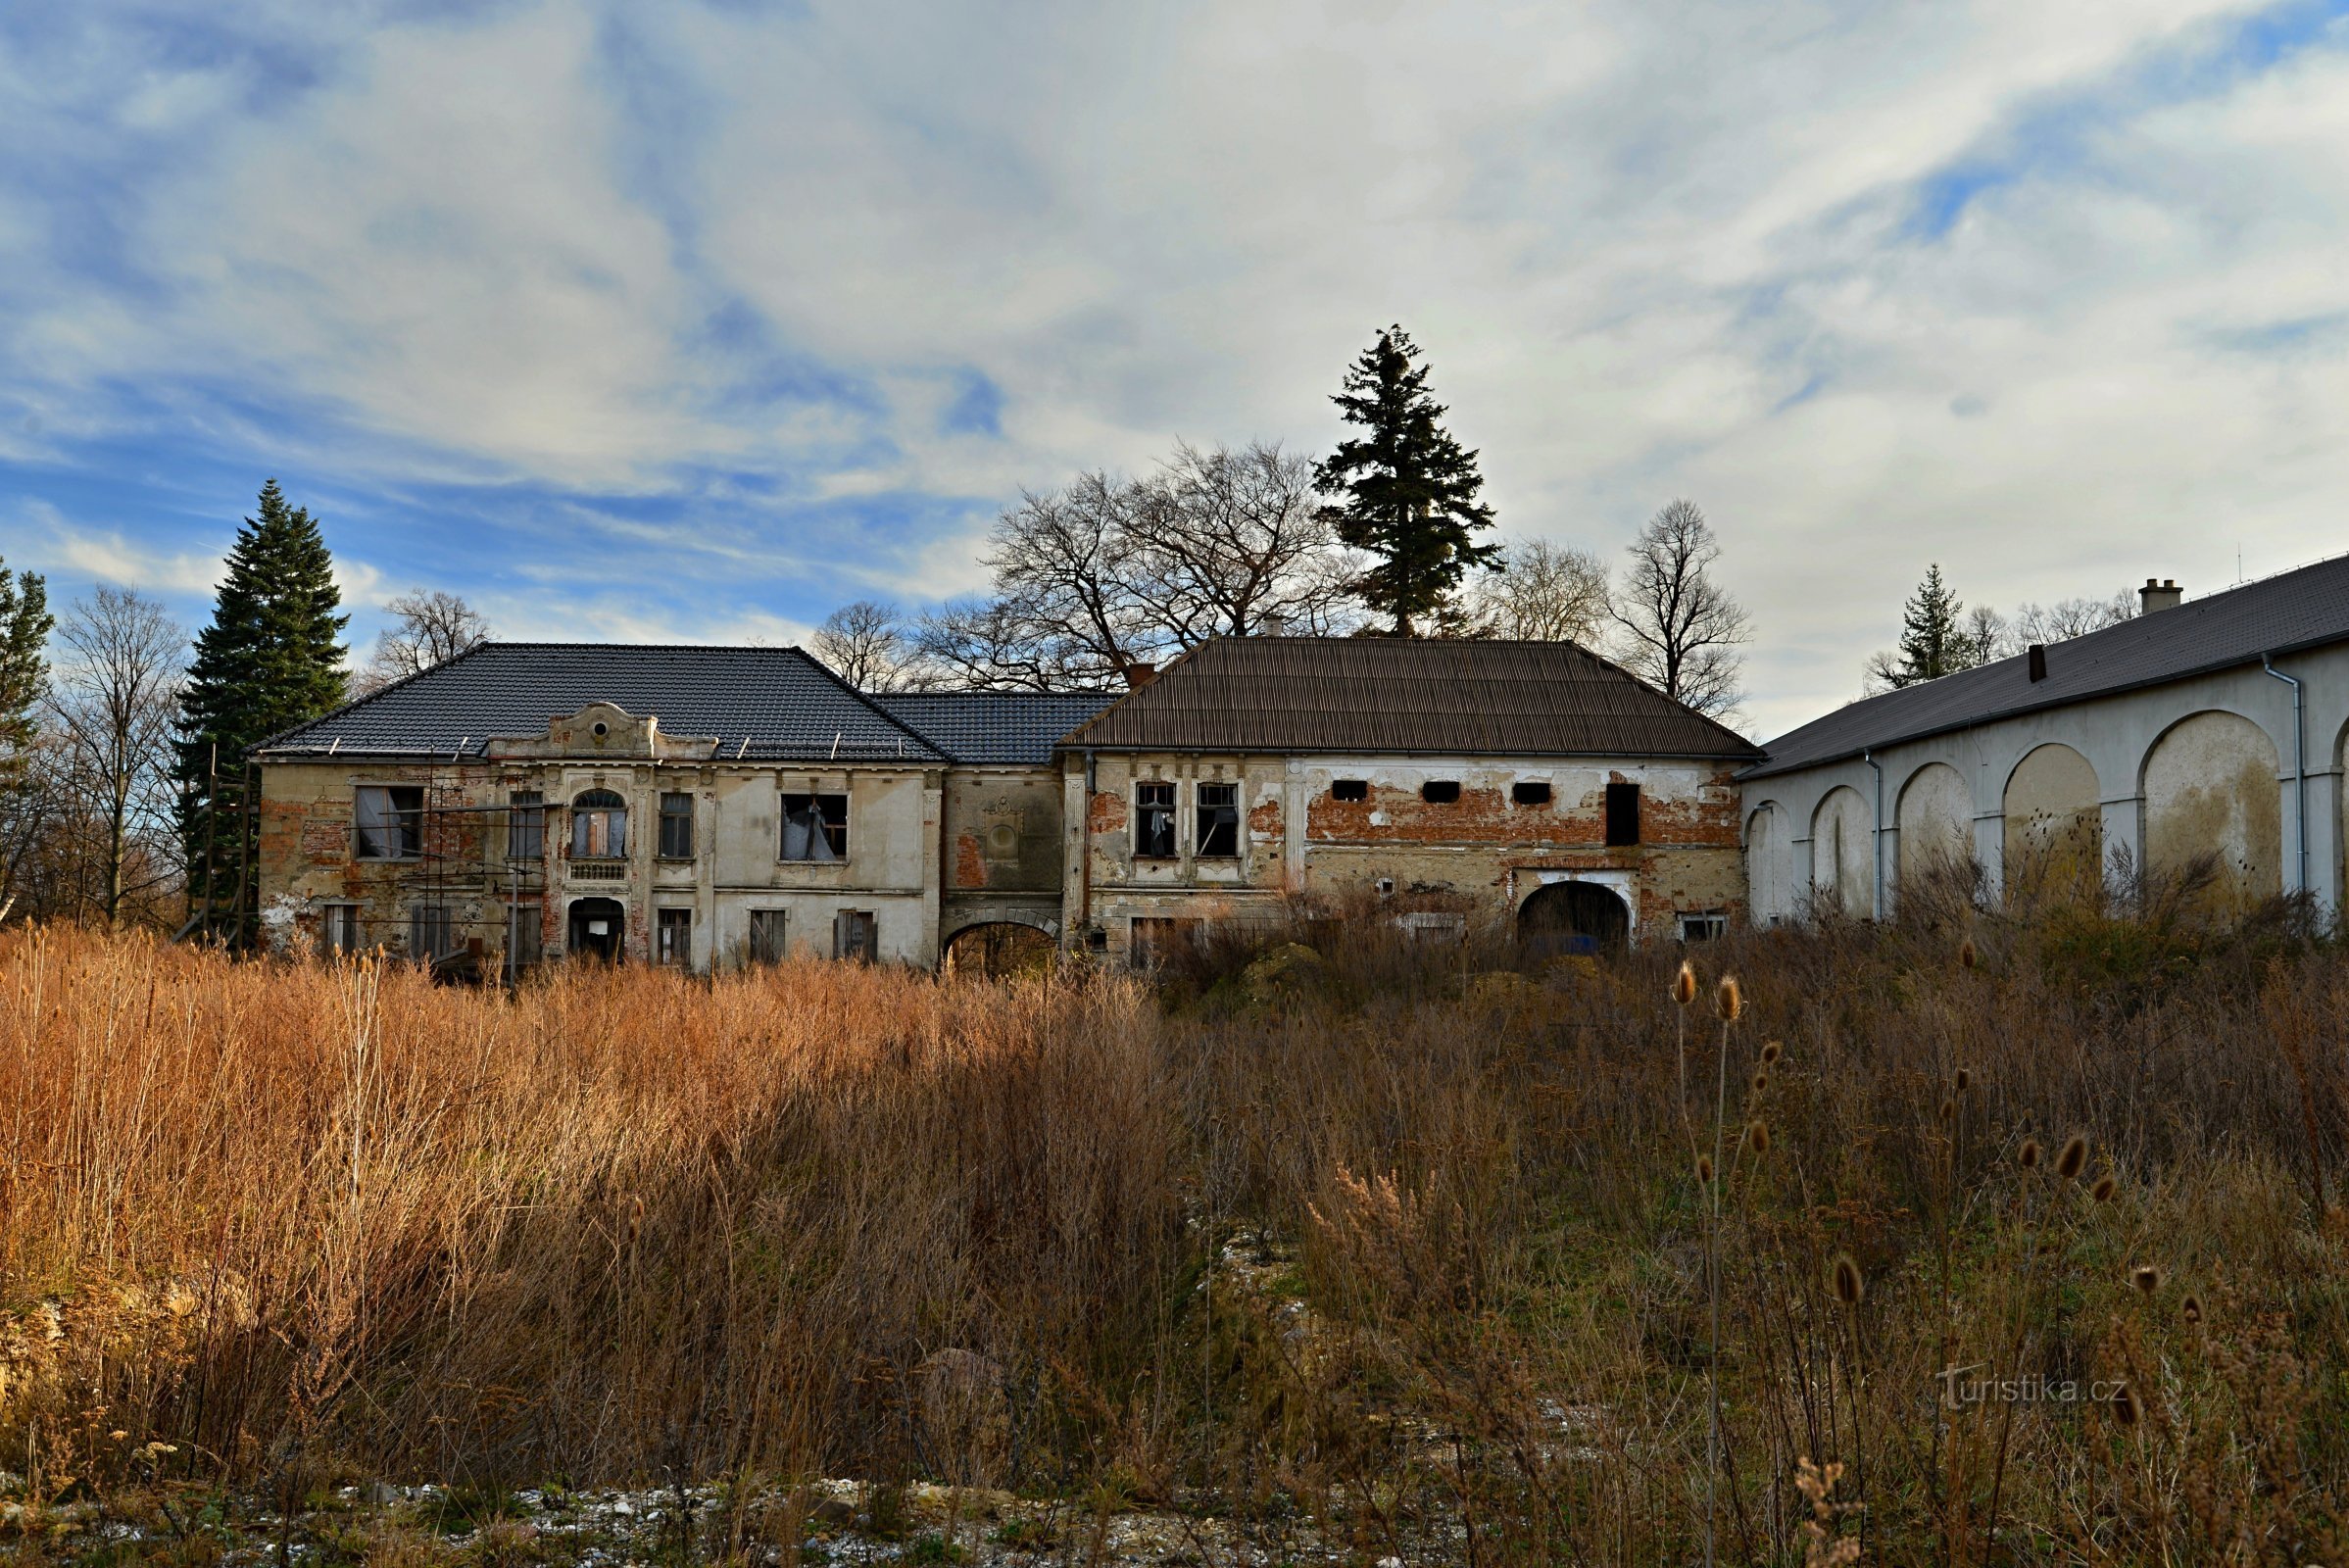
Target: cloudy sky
694	320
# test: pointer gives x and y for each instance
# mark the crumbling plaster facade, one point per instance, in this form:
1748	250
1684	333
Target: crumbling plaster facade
1480	856
2150	777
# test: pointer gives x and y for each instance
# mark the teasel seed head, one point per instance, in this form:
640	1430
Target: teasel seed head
1727	1000
1965	1080
2190	1309
2104	1188
1757	1137
1966	955
1949	1108
2073	1159
1771	1052
2028	1156
1848	1286
2147	1278
1704	1170
2125	1405
1683	985
1761	1081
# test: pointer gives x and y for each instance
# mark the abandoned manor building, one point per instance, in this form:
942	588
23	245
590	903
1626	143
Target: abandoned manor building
708	807
711	807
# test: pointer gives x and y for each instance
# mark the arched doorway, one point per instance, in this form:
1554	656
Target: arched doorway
998	948
1572	917
596	930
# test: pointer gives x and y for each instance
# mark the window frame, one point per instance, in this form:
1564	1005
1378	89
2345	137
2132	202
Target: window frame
615	825
1532	792
1622	809
338	928
846	923
424	920
780	920
525	824
1150	809
1702	926
406	823
668	825
834	835
1226	814
673	936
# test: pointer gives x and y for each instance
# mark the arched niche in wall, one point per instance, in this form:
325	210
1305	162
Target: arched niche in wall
1935	818
1769	865
2213	809
1843	852
2054	827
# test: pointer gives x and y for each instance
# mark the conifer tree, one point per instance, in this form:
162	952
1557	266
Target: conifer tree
1409	490
25	623
1934	641
267	661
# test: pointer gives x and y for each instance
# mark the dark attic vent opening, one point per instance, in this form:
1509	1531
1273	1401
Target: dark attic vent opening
1530	792
1349	789
1439	791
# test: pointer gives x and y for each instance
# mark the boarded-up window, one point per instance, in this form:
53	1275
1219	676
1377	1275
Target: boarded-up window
672	937
854	936
767	936
1154	820
390	820
525	825
677	826
815	828
599	826
527	937
1622	814
1219	820
431	931
1349	789
338	929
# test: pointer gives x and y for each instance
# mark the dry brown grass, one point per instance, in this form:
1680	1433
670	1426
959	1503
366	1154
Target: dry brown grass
303	1224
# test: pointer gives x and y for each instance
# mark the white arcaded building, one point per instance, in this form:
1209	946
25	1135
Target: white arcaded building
2204	726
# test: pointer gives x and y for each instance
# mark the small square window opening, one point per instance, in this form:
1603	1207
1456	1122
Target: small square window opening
1439	791
1349	789
1219	820
1703	927
1530	792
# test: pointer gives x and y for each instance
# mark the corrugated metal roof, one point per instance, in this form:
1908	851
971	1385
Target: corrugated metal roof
1017	728
770	704
1398	695
2294	610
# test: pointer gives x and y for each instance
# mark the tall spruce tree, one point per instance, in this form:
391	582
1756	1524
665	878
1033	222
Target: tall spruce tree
24	624
1407	489
1934	641
267	661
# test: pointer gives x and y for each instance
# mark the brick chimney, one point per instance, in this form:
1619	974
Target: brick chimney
1140	673
2161	594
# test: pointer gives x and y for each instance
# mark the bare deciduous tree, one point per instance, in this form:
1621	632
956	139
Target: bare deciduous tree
869	645
2068	619
1682	629
1546	592
432	629
114	699
1234	544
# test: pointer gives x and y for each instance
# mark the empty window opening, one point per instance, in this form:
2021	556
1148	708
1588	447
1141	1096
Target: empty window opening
1703	927
677	826
1219	820
390	819
431	932
1154	820
599	826
815	828
338	930
672	937
767	936
1530	792
525	825
1349	789
1439	791
1622	814
854	936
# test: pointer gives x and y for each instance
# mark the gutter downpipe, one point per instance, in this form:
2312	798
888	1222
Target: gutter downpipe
1084	933
2299	774
1876	838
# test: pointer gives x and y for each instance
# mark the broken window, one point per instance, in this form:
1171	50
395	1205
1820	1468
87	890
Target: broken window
338	930
390	819
1530	792
677	826
1439	791
599	826
672	937
815	828
1702	927
1154	820
1349	789
767	936
1219	820
431	931
1622	814
525	825
854	936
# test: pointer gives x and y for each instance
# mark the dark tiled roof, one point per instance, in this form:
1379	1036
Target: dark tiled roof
774	703
1003	727
2295	609
1394	695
